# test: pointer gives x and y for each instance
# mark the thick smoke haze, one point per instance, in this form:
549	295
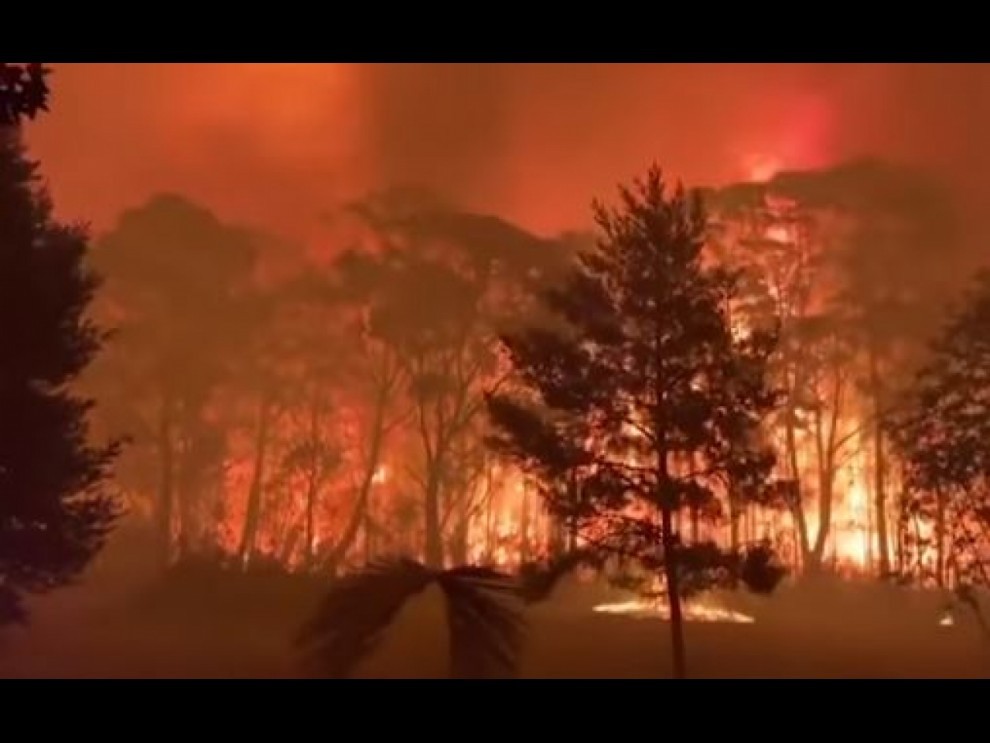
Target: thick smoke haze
277	145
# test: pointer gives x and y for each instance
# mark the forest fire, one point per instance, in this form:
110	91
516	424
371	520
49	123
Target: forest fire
404	364
492	517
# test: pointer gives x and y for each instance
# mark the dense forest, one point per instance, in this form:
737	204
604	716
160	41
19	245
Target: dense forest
319	415
713	382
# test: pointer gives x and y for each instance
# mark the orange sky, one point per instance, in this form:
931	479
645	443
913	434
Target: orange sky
276	145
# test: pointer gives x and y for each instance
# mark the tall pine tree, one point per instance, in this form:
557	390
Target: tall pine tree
643	390
54	508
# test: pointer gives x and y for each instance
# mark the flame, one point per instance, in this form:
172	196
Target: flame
779	233
761	167
381	475
499	522
692	611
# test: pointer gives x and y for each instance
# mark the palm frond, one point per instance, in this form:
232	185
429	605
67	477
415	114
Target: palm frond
486	623
538	579
350	621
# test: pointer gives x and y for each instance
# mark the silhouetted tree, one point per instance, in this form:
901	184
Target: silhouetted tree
942	430
23	92
55	508
645	389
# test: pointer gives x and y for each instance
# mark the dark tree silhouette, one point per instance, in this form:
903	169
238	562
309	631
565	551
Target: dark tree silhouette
646	391
54	507
23	92
942	430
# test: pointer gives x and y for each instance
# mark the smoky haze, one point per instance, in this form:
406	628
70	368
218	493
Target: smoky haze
283	418
279	144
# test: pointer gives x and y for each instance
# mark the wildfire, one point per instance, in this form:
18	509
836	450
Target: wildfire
497	520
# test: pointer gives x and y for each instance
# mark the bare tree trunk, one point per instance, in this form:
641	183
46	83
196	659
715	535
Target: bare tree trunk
309	541
459	542
182	493
434	536
824	523
901	524
734	516
524	526
313	480
673	594
166	483
940	539
879	465
368	531
881	502
252	514
360	514
826	446
289	544
797	500
489	527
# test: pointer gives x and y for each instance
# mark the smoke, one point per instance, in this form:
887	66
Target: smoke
279	144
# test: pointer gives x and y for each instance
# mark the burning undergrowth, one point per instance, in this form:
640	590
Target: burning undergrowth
693	611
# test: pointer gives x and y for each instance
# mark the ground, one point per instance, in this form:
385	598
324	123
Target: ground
82	632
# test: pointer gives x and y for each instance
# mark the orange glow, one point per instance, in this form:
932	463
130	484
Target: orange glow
277	144
280	146
693	611
761	168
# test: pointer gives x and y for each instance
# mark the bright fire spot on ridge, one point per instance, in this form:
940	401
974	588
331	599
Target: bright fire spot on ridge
761	168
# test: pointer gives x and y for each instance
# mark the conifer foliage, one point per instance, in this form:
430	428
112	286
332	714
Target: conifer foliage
54	507
640	390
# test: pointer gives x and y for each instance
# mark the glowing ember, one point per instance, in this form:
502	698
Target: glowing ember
692	612
381	475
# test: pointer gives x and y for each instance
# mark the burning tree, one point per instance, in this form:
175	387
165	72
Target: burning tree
843	260
941	431
643	387
436	289
777	247
177	279
55	508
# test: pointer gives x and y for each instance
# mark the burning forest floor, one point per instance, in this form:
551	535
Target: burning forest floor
111	628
